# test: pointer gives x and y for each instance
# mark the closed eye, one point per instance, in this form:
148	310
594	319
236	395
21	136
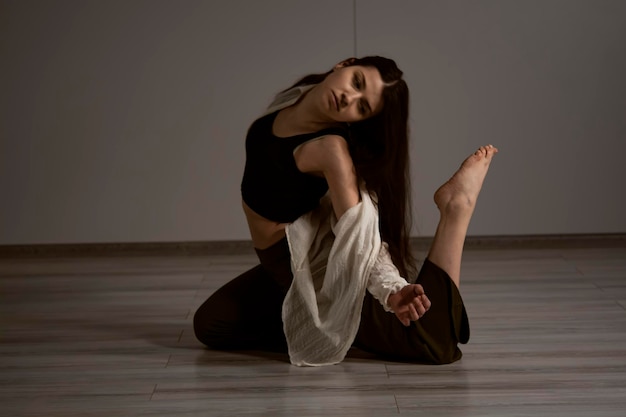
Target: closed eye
356	82
364	107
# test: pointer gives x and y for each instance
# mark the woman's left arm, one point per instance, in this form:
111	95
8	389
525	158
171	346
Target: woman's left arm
330	156
407	301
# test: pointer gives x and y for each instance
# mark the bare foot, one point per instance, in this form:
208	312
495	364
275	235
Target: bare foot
459	194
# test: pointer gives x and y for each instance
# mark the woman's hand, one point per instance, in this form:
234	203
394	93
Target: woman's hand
409	304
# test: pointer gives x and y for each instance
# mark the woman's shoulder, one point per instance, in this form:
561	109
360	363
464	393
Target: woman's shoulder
329	145
328	153
287	98
334	143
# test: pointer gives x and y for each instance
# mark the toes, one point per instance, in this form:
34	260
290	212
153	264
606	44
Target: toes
492	150
487	151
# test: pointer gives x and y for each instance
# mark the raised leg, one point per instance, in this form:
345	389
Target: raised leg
456	200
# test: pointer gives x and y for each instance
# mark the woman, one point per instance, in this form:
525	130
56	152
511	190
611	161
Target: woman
344	134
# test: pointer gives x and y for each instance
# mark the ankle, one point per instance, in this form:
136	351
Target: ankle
458	207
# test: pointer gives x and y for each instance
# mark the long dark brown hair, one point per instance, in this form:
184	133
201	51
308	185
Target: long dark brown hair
379	147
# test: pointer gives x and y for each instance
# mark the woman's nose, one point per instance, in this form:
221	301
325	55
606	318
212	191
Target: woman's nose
349	97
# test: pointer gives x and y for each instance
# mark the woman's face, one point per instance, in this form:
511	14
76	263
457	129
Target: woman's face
352	93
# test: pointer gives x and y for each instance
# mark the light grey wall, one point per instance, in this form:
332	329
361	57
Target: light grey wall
545	81
124	121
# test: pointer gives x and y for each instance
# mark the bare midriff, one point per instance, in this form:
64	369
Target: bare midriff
264	232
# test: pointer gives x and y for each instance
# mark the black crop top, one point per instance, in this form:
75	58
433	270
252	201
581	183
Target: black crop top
272	184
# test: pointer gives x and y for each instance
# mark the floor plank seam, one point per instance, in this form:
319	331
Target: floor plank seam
395	398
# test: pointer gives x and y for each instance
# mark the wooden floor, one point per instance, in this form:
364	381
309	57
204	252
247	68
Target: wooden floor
109	336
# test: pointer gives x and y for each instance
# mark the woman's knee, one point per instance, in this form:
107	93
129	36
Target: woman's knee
211	323
203	326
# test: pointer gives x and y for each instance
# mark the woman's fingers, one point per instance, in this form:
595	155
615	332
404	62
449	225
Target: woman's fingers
425	301
416	304
418	290
420	300
414	311
419	308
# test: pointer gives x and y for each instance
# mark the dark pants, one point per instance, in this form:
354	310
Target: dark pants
246	314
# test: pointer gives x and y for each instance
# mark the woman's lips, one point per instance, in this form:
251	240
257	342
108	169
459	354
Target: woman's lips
335	102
